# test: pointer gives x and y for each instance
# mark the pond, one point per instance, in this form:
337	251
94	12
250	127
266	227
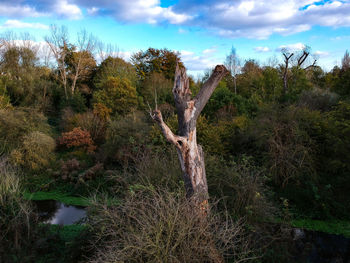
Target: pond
55	212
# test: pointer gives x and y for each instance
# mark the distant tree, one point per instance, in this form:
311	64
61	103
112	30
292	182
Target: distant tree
114	67
299	59
79	59
118	95
73	61
156	60
233	64
58	43
345	62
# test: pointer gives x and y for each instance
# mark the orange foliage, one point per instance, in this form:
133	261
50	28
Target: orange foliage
77	138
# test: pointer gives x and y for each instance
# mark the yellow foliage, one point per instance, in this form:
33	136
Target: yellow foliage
36	151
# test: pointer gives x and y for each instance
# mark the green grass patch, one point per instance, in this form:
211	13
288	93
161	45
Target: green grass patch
331	227
67	233
66	199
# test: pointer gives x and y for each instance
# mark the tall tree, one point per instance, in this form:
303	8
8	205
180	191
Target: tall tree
233	64
58	43
156	60
189	152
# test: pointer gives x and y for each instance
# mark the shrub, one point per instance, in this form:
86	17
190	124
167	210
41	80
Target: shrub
125	139
87	121
241	186
77	138
14	124
318	99
36	151
17	219
73	171
157	226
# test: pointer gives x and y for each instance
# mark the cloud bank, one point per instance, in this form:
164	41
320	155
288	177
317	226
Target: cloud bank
241	18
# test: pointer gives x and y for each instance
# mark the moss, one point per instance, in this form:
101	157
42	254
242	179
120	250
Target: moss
68	200
331	227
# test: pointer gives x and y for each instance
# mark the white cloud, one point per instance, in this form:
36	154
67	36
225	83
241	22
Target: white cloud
199	63
15	10
261	49
92	11
292	47
321	54
260	19
19	24
64	9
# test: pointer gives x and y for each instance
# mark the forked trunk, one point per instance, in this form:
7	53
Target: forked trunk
190	153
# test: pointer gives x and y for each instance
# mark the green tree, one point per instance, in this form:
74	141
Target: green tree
156	60
114	67
118	95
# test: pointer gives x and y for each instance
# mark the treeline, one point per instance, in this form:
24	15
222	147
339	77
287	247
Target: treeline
276	138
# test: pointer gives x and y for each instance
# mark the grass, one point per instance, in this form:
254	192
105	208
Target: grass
331	227
58	196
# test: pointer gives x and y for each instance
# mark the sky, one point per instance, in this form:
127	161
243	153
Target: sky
203	32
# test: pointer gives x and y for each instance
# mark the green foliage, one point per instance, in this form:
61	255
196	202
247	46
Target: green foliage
125	138
331	227
114	67
118	95
156	88
241	186
156	60
58	196
15	124
35	152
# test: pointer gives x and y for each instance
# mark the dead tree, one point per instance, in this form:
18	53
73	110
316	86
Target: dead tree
285	72
299	62
189	152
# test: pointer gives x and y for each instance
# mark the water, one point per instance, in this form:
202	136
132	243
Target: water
54	212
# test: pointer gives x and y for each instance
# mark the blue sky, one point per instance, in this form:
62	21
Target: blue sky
202	31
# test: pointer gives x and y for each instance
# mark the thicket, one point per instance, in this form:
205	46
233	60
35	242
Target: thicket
269	154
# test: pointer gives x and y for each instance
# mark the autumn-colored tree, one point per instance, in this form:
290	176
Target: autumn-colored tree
77	138
118	95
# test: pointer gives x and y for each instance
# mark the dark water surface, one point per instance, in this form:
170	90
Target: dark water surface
55	212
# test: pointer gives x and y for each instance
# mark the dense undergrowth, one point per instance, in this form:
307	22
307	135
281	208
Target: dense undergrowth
270	157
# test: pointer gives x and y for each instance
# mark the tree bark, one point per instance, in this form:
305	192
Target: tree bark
190	153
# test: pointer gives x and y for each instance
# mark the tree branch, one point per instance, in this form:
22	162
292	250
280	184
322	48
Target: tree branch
208	88
178	141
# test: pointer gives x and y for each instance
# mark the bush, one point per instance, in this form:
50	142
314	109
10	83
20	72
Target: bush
318	99
87	121
241	186
157	226
36	151
77	139
14	124
125	139
17	220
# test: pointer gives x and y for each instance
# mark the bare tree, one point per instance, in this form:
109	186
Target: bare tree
58	41
299	59
189	152
86	46
233	64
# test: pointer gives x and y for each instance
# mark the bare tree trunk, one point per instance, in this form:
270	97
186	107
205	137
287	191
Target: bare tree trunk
285	73
190	153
